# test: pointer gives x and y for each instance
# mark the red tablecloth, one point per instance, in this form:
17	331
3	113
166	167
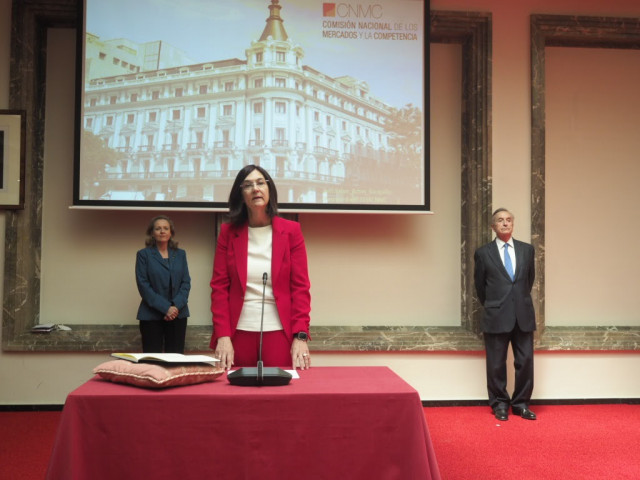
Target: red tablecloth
332	423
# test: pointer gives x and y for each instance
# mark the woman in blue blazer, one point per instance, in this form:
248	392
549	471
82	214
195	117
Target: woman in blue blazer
163	280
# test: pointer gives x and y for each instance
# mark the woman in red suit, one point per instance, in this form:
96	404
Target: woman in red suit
257	252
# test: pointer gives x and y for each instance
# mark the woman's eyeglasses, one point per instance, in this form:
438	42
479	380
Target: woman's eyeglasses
248	186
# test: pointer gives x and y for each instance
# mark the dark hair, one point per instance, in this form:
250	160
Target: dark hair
238	213
149	241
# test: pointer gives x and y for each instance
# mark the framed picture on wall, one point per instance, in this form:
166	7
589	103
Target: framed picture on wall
12	158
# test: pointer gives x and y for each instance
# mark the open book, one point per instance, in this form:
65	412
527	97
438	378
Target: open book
165	357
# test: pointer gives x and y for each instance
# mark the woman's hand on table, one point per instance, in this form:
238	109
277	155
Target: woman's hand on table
224	352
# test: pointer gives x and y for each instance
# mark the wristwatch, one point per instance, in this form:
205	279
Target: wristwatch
301	336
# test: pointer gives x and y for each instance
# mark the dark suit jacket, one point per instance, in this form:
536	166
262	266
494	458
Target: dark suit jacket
154	276
289	278
505	301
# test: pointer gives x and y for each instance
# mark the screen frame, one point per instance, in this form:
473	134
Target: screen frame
423	207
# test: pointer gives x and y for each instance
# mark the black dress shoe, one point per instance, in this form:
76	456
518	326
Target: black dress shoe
501	414
524	413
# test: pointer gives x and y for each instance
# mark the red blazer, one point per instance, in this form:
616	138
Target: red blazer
289	278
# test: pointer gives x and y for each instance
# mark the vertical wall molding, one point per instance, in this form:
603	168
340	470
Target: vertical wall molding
568	31
473	32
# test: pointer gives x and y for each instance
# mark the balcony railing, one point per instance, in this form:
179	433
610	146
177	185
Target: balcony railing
150	176
195	146
326	151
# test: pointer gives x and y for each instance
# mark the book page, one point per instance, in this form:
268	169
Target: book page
165	357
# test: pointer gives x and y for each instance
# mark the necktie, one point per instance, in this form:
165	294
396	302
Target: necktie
507	261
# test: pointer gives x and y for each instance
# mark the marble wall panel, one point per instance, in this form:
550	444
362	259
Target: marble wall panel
32	18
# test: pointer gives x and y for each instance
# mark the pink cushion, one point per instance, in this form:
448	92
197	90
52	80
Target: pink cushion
154	375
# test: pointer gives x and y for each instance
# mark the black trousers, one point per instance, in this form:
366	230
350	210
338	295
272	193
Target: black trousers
497	346
159	336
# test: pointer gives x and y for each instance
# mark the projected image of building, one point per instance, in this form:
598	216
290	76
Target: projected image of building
160	128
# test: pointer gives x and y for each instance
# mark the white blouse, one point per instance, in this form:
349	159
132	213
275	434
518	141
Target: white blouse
259	262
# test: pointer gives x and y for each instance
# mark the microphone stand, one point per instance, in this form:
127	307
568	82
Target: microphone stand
260	376
260	363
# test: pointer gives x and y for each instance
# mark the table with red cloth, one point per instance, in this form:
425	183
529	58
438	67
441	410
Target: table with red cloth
332	422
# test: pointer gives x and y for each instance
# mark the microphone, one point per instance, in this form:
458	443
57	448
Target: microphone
260	376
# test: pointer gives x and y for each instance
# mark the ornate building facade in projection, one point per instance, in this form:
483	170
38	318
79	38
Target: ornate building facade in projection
159	128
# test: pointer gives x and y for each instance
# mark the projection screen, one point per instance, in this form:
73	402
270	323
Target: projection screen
174	98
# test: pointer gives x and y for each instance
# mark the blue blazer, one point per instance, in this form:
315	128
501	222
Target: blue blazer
162	283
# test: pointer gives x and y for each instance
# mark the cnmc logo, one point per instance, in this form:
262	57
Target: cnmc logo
347	10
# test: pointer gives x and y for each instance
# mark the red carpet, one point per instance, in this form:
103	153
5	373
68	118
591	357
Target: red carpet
568	442
26	440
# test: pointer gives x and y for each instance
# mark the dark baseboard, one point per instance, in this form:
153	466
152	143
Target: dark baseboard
561	401
425	403
31	408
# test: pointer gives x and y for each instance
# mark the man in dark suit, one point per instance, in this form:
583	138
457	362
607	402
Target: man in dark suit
504	274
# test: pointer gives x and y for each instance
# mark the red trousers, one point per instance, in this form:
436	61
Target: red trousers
276	349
